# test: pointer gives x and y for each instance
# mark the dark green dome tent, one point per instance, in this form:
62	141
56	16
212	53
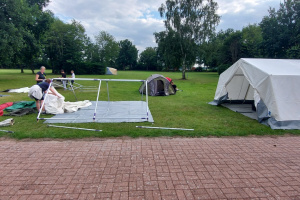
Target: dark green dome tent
158	85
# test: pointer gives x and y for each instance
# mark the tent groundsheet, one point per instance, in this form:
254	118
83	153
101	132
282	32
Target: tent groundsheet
244	109
107	112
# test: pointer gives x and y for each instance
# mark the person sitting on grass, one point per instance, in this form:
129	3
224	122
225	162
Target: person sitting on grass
37	92
172	83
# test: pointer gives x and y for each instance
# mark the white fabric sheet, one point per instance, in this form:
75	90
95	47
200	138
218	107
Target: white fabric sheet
20	90
55	105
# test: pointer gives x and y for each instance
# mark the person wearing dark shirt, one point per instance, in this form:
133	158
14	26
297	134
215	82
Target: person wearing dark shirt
38	91
63	75
40	76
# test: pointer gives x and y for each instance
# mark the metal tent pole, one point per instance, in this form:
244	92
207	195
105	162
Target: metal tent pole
94	118
6	131
97	118
84	129
164	128
73	91
147	100
107	90
41	109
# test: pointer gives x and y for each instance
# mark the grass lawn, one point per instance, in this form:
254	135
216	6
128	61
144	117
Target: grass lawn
187	109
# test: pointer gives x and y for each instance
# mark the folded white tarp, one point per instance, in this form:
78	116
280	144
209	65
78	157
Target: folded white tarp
55	105
20	90
8	122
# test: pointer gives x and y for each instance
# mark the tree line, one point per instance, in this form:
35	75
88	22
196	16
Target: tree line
276	36
31	36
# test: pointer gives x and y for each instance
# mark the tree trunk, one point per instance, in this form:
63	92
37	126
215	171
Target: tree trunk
183	73
183	68
22	70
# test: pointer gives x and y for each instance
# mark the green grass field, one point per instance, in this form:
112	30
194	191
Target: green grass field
187	109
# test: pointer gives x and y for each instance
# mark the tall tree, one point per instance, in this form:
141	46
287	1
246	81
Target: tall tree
128	55
22	23
193	20
169	50
148	59
281	30
64	45
108	49
14	16
252	41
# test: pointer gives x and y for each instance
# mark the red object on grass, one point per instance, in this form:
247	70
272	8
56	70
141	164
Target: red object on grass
5	105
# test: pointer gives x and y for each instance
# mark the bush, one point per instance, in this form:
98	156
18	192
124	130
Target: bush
222	68
90	68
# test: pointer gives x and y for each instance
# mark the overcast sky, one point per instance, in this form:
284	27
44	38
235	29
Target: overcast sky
137	20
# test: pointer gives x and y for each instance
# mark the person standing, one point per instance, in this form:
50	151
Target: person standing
40	76
37	92
63	75
73	76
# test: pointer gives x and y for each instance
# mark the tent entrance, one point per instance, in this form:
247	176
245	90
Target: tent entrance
160	87
239	88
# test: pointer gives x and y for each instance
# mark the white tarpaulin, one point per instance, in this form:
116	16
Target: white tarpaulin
273	83
20	90
55	105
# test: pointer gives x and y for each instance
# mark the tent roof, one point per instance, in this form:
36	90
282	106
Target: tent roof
275	66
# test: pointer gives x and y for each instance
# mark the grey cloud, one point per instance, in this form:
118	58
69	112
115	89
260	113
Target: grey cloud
130	19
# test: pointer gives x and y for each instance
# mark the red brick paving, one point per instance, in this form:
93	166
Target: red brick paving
160	168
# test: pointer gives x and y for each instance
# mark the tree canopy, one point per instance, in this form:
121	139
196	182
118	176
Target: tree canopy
31	36
192	22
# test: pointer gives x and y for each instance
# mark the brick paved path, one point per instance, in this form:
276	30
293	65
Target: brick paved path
161	168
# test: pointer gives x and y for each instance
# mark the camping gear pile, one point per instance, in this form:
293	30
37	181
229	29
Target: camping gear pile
158	85
271	85
3	106
21	108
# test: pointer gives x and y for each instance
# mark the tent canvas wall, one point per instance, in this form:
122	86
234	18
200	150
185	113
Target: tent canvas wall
272	84
111	71
158	85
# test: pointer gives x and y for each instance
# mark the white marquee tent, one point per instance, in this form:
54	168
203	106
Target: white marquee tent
273	86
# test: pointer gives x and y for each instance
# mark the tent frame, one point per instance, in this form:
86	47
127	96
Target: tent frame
76	86
98	94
